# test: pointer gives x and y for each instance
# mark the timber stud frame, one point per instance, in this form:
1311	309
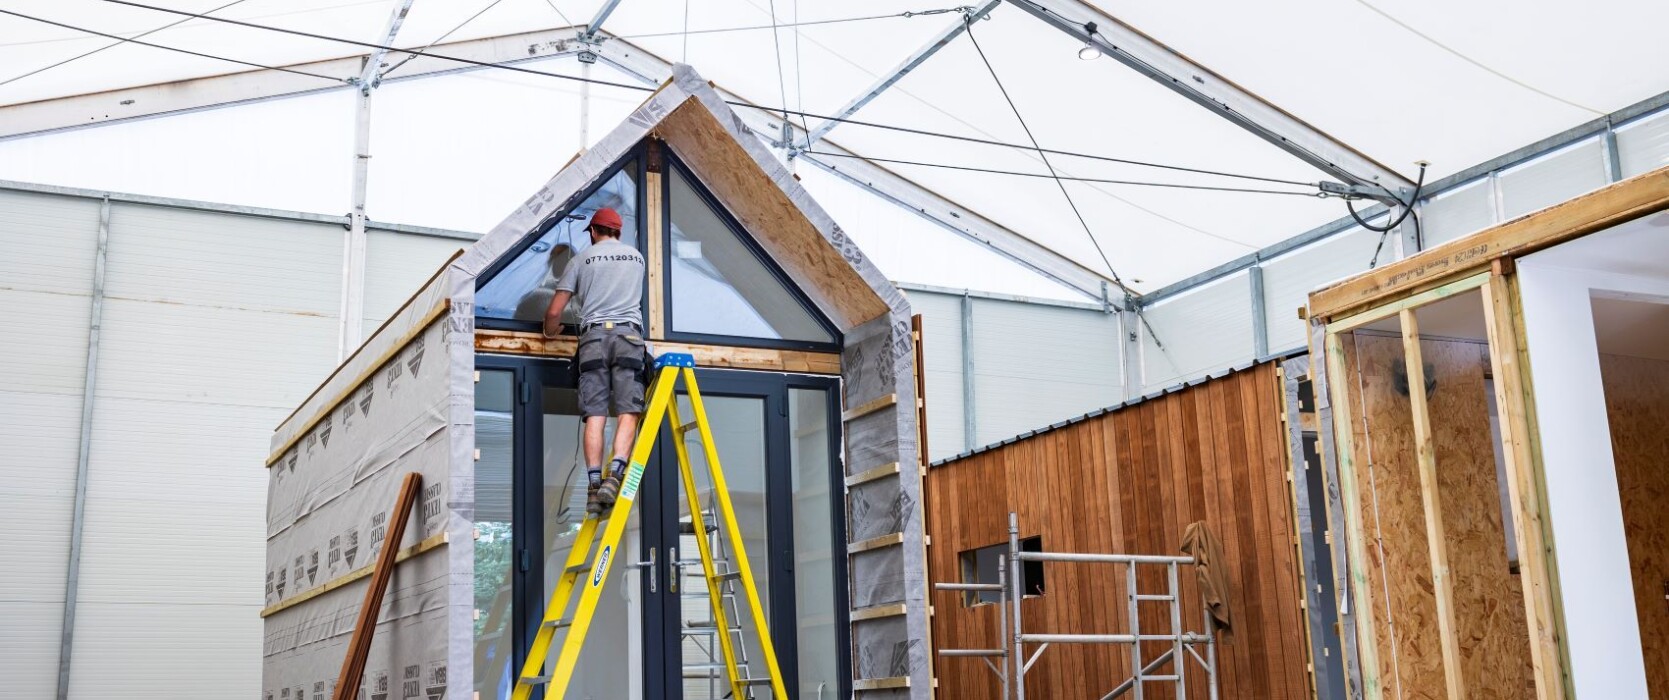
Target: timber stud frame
1484	262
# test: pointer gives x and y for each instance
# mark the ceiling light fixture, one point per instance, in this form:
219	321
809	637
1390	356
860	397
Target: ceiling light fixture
1090	51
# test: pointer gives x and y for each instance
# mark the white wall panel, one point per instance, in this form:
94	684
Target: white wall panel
1644	145
1203	330
47	249
166	651
1289	279
47	242
43	342
941	319
1553	178
1457	212
29	646
212	259
397	264
213	354
1035	365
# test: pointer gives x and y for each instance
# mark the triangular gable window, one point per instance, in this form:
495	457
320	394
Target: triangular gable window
718	284
521	290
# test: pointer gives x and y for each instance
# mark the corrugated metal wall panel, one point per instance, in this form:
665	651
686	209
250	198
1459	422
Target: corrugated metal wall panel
1289	279
1553	178
941	319
212	259
1644	145
1203	330
395	264
1035	365
214	325
47	242
47	248
1458	212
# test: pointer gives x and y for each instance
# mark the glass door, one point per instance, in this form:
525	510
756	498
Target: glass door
654	633
773	434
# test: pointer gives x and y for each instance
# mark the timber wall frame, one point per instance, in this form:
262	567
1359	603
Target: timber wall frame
1485	262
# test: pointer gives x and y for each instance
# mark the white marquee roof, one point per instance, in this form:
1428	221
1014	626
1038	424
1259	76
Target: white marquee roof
1398	80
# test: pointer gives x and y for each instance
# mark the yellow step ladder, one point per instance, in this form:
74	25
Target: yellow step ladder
587	568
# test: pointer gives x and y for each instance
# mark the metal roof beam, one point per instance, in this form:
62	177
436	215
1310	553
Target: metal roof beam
1127	45
910	63
196	94
589	34
890	186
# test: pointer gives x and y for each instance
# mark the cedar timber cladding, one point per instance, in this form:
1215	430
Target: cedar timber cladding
1129	481
887	587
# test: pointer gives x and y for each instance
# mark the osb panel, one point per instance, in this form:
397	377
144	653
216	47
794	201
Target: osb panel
1637	401
761	207
1130	482
1489	608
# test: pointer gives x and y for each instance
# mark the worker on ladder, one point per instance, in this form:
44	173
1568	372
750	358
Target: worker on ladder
607	282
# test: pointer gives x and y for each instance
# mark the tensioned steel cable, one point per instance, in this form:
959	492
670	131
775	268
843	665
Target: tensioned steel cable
442	37
733	103
1068	178
687	32
118	42
173	48
1062	185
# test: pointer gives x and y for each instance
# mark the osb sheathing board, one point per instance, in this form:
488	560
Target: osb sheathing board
1129	481
1489	608
1637	401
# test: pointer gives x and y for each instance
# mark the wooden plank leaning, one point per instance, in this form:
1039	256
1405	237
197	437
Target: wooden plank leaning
359	646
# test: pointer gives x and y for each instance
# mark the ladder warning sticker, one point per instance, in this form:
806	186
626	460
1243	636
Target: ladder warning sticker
634	477
602	566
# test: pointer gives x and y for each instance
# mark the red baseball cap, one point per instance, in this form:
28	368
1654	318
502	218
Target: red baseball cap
607	217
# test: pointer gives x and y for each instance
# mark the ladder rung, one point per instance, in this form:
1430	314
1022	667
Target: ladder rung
558	624
687	427
535	680
756	681
578	568
726	576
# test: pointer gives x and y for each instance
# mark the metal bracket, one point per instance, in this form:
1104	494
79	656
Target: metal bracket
1373	192
587	56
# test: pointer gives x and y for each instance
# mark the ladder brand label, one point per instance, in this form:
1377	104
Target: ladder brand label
602	566
634	476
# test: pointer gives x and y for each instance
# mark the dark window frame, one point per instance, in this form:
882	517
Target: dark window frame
1031	573
673	162
636	156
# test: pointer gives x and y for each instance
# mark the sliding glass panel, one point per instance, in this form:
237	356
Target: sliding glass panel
522	290
719	286
495	437
815	576
738	424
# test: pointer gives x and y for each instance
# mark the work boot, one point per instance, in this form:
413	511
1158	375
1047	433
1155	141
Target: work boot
609	489
594	504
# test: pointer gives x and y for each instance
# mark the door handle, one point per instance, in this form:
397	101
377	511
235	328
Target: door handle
650	567
677	570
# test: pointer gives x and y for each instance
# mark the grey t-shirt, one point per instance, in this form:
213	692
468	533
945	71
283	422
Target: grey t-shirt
607	283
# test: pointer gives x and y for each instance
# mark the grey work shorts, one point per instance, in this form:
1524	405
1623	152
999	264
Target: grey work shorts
610	361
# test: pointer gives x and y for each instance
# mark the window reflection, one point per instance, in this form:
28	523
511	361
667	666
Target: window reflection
522	290
719	286
495	436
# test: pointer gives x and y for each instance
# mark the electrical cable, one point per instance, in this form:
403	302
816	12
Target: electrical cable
733	103
560	13
776	40
174	49
119	42
442	38
994	171
774	25
135	33
1407	209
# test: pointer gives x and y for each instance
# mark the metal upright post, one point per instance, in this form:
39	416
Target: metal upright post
1002	620
1017	593
352	320
1135	628
1179	663
1210	649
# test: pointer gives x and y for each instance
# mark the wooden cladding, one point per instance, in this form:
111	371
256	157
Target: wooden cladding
1129	482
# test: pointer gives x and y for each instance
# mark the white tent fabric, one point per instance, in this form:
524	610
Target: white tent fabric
1399	80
